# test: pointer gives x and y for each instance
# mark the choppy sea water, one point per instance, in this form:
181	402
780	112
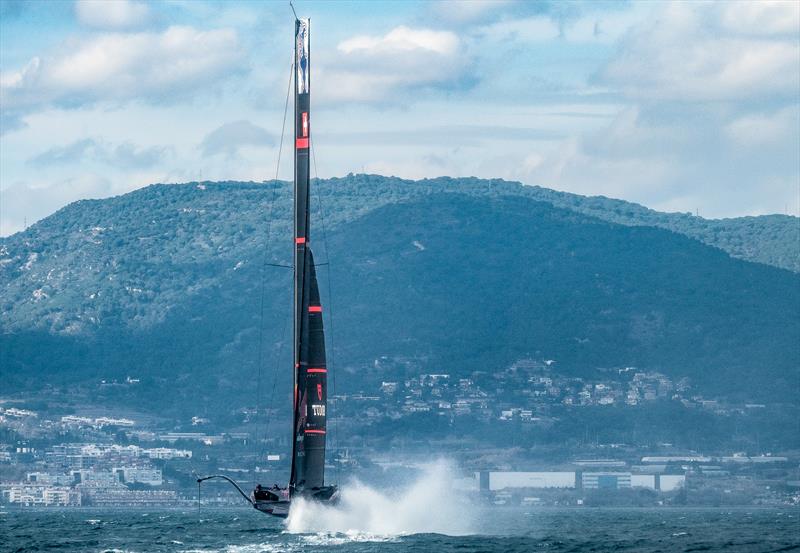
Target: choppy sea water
496	530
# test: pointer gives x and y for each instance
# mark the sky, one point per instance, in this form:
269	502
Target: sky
686	106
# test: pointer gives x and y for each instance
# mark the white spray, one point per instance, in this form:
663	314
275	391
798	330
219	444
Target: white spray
429	505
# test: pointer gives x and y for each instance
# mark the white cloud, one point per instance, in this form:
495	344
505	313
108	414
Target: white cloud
693	52
623	160
113	67
230	137
466	11
767	17
374	68
528	29
23	202
509	95
765	129
601	26
112	14
605	27
71	153
402	39
124	155
685	160
712	120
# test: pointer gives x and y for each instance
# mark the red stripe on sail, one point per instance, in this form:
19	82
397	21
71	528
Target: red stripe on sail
315	309
302	142
300	240
314	431
317	370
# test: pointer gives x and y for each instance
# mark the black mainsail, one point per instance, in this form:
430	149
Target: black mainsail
310	370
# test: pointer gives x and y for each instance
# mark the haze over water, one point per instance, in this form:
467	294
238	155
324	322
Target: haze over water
423	515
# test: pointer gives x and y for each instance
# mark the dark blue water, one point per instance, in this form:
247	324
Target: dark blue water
497	530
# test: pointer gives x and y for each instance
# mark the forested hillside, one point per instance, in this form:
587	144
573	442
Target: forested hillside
456	274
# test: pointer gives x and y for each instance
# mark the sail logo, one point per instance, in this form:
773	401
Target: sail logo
319	391
302	57
305	124
318	410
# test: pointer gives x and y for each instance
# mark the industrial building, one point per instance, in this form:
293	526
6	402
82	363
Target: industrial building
497	481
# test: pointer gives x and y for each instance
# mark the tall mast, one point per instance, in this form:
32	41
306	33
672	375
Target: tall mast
310	370
301	238
302	134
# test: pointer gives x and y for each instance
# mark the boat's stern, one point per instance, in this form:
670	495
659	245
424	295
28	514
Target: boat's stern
278	508
274	501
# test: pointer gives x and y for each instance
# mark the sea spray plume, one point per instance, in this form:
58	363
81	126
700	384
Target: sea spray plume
427	505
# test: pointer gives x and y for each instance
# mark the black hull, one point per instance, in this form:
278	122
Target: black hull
278	509
272	505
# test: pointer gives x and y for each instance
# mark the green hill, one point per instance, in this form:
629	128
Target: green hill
457	274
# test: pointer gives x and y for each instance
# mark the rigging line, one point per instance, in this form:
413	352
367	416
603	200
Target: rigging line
264	265
285	110
330	303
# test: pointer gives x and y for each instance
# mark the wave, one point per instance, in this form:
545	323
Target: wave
427	505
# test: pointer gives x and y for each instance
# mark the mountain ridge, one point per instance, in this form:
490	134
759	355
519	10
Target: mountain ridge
165	281
345	199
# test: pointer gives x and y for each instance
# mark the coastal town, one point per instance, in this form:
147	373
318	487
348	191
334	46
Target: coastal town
101	456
